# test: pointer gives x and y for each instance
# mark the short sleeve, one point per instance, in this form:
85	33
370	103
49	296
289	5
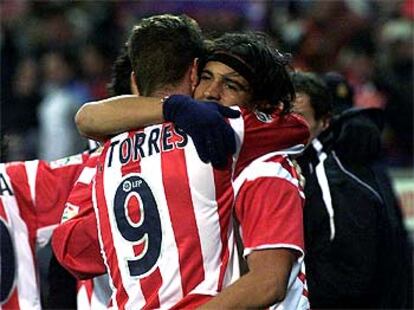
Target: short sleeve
270	212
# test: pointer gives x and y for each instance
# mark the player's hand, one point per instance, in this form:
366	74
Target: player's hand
205	123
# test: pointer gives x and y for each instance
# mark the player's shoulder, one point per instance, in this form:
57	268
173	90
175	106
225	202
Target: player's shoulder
277	166
17	170
281	119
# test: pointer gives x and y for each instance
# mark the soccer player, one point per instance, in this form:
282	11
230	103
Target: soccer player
268	200
32	196
191	212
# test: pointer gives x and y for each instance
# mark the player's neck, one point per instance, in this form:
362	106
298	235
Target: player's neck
182	89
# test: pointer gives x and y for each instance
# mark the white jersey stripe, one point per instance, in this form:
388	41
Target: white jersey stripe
264	169
238	126
26	274
247	251
87	175
101	243
203	186
31	171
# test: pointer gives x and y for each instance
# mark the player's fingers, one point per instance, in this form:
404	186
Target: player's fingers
201	148
217	149
229	138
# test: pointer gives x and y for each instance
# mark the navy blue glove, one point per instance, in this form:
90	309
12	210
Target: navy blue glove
204	122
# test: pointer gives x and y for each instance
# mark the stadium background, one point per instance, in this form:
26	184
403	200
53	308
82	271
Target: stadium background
63	50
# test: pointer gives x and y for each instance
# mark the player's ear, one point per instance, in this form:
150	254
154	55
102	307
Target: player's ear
326	122
134	87
194	74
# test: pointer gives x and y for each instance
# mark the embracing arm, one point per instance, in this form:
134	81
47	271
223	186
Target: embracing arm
269	210
75	244
265	283
203	121
100	119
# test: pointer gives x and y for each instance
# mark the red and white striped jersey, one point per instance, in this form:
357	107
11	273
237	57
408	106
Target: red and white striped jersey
92	293
77	249
32	196
269	207
164	216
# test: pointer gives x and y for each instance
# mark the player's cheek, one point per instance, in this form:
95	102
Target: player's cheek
198	92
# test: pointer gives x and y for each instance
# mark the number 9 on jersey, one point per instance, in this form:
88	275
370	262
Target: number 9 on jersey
134	191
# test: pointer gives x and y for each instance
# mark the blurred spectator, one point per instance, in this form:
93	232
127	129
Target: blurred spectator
394	77
9	59
21	122
95	65
365	40
63	95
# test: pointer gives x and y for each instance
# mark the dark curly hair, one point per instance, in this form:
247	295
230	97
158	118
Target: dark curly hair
120	83
253	55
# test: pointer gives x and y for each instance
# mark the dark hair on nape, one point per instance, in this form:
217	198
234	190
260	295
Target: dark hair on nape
120	83
314	86
162	48
260	63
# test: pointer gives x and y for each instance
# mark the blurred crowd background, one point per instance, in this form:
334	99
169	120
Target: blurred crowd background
57	55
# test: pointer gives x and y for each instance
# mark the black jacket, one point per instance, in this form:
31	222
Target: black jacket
357	250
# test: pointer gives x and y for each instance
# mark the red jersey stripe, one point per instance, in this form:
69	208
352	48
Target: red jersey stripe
13	302
3	213
149	285
302	277
225	198
183	218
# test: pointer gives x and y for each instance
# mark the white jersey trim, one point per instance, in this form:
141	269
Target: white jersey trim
270	246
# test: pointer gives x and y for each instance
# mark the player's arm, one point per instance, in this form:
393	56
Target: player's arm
76	246
264	284
204	122
100	119
269	210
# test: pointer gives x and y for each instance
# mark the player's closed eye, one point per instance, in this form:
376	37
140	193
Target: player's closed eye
233	85
205	76
228	83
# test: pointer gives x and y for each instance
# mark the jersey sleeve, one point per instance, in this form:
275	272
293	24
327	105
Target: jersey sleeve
54	182
75	241
76	245
270	212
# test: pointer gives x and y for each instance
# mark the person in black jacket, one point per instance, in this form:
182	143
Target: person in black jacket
357	250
